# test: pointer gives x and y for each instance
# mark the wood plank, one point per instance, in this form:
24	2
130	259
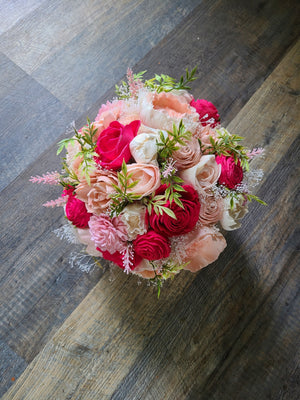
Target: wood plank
234	324
31	119
235	46
12	11
11	367
90	42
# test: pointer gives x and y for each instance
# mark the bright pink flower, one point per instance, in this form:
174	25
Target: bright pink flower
208	114
231	173
113	144
152	246
186	218
76	211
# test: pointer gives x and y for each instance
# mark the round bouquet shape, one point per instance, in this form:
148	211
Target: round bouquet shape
152	181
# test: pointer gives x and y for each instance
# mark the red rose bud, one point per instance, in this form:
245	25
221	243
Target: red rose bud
186	218
152	246
231	173
76	212
113	144
208	114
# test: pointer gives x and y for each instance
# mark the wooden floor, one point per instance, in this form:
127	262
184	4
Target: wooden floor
232	331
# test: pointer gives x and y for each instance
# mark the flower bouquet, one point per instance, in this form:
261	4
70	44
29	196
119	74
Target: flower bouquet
151	181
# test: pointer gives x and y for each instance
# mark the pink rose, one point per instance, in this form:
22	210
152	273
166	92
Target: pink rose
113	144
203	247
76	211
148	177
208	114
96	195
186	218
231	172
152	246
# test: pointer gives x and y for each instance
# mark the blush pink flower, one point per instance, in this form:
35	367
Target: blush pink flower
203	247
108	234
211	208
187	156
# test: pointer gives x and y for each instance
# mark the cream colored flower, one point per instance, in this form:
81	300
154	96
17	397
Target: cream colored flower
231	216
143	147
133	217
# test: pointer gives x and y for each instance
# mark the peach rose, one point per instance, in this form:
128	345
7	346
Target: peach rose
148	177
211	210
96	195
162	110
172	104
203	175
204	247
187	156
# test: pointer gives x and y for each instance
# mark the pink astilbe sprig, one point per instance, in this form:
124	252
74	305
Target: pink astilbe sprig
169	168
134	84
60	202
128	257
255	152
49	178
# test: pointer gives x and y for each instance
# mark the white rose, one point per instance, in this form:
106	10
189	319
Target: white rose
143	147
133	216
231	216
203	175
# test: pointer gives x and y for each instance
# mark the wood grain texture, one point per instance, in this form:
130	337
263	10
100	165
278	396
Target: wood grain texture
203	327
13	11
31	119
226	332
95	42
235	46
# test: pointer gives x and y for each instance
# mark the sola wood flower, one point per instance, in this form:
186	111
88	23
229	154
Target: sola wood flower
149	183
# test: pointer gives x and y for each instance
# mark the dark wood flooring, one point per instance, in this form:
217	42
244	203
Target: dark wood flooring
232	330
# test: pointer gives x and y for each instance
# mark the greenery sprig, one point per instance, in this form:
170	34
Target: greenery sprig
160	83
168	270
157	204
167	145
87	146
121	198
165	83
227	145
